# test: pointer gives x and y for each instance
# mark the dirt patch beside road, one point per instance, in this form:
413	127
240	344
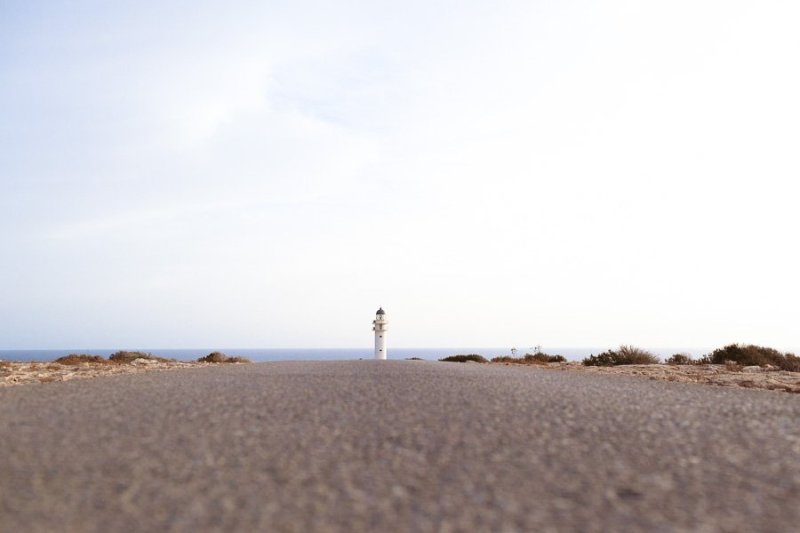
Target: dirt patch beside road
720	375
15	373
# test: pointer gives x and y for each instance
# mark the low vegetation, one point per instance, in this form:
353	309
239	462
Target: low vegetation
80	358
752	355
538	358
119	358
464	358
219	357
124	357
680	359
624	355
546	358
507	359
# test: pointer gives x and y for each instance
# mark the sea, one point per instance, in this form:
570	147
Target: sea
324	354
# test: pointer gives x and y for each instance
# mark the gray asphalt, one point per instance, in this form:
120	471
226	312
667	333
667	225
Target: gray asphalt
396	446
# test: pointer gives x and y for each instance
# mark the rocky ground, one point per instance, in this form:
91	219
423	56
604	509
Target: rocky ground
753	377
14	373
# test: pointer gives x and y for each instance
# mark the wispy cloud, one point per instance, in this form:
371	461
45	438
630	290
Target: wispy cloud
579	172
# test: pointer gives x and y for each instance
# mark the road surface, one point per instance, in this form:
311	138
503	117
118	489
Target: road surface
396	446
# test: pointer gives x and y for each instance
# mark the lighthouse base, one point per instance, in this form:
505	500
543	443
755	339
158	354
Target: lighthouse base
380	345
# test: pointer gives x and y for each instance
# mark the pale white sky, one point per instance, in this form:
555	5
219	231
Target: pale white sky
266	174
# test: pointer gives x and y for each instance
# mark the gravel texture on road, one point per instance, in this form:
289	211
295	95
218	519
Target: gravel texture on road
396	446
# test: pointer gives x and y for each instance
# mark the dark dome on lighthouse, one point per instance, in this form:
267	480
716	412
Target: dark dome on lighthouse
381	311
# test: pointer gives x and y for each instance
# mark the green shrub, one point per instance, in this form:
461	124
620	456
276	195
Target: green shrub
752	355
680	359
123	357
464	358
78	358
219	357
625	355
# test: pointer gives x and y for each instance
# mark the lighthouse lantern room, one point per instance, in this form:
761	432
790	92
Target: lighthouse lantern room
379	327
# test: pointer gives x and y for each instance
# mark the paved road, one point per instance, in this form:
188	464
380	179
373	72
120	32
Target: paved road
396	446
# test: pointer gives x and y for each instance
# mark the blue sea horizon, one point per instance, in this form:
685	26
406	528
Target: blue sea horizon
323	354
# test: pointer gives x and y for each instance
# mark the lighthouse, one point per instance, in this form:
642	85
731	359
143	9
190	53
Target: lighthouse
379	327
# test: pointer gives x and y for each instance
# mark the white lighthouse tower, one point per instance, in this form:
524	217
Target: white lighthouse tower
379	327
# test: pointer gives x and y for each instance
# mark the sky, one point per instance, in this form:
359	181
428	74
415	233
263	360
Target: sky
268	173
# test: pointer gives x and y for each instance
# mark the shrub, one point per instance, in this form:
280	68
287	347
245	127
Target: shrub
78	358
680	359
219	357
625	355
791	363
464	358
752	355
213	357
540	357
123	357
530	359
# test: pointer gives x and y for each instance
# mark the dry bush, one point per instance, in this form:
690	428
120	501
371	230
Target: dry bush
219	357
791	363
753	355
464	358
680	359
506	359
530	359
80	358
123	357
544	358
625	355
